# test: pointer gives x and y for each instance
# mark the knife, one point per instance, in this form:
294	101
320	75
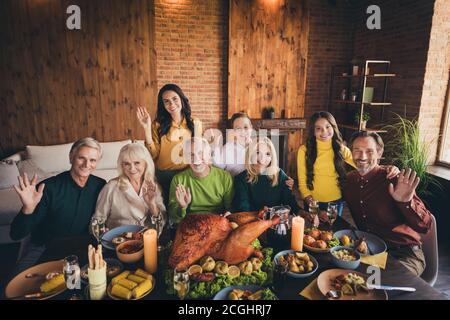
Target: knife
36	295
380	287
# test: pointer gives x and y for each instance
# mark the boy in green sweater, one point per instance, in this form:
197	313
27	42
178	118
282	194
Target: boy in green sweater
201	188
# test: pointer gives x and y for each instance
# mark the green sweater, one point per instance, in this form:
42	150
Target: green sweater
210	194
64	210
253	197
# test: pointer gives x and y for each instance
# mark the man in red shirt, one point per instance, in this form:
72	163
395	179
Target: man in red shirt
388	208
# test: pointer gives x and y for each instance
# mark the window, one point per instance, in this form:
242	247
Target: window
444	145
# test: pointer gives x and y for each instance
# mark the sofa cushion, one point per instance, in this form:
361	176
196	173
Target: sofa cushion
10	205
110	154
50	158
30	168
106	174
8	174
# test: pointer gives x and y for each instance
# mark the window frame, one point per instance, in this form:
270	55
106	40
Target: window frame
444	128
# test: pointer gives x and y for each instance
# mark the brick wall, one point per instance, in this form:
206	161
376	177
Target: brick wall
330	43
403	39
192	46
436	77
414	36
192	49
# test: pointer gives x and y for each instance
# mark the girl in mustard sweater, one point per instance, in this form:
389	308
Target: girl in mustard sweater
321	163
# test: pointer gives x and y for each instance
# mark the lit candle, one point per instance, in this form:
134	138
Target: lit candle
150	250
298	228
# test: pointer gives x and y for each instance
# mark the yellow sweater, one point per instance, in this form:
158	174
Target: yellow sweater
166	150
325	179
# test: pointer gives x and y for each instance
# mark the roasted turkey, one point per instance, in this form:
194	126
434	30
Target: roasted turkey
201	235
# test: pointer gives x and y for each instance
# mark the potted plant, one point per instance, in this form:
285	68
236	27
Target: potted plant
270	112
406	148
365	118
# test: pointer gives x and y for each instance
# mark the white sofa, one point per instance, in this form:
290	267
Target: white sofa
46	161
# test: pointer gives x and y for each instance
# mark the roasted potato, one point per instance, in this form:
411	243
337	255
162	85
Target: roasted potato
320	244
221	267
257	263
236	294
302	255
326	236
207	263
315	233
293	267
256	296
246	267
308	240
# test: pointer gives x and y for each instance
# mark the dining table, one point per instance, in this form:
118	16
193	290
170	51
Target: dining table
394	274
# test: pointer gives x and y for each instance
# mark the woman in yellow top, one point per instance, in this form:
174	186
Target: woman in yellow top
321	163
165	135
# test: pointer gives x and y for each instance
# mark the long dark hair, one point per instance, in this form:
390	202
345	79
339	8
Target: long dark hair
163	116
311	148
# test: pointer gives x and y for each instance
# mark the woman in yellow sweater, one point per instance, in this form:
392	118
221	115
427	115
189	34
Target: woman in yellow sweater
165	135
321	163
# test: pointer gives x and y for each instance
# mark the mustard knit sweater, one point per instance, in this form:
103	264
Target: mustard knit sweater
325	181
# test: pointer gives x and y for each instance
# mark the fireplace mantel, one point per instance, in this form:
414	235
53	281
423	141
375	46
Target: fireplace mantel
281	124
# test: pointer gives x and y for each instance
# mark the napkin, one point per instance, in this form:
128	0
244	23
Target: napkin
378	260
312	292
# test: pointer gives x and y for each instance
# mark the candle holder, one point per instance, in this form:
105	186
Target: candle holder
97	282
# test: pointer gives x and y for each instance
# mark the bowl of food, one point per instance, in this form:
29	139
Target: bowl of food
245	292
319	241
300	264
130	251
365	243
345	257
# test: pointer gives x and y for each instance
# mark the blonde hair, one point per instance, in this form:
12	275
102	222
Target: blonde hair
135	151
272	169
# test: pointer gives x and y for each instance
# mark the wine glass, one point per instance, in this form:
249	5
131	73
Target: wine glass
157	221
332	213
279	276
98	228
181	283
313	209
72	276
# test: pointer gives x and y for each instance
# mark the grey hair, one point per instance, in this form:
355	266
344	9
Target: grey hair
187	145
85	142
366	134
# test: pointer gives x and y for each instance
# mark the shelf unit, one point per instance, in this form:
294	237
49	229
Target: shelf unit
362	79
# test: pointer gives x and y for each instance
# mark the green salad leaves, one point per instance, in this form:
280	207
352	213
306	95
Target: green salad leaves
206	290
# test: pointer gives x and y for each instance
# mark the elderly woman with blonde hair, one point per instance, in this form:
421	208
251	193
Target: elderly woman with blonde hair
134	197
263	183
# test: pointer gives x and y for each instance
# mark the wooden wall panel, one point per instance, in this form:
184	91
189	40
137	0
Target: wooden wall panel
267	60
58	85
